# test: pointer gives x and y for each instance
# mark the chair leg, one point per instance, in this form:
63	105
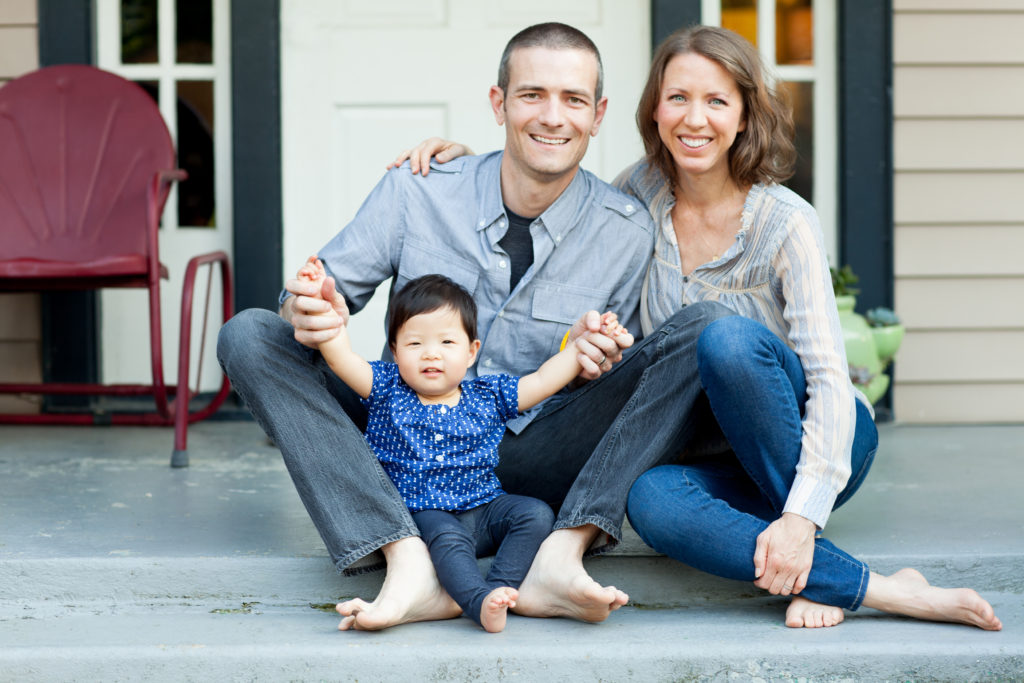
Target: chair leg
179	456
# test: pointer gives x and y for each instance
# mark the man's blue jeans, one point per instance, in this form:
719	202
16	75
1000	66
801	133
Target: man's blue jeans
509	527
708	513
580	454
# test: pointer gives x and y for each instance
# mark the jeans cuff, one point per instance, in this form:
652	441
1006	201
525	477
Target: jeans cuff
610	536
862	589
368	557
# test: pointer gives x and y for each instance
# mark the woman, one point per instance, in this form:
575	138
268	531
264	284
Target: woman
800	438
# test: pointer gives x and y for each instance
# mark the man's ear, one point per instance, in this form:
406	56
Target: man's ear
497	96
602	105
474	348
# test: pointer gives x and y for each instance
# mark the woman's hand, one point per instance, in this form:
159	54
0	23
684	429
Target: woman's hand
419	156
784	555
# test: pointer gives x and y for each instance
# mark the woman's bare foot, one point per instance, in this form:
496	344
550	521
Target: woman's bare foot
494	611
907	592
558	586
410	592
803	613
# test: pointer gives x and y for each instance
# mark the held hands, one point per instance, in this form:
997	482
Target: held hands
600	340
317	310
784	555
419	156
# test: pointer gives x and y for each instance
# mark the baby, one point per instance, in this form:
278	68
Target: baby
436	435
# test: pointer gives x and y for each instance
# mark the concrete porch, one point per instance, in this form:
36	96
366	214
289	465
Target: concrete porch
115	567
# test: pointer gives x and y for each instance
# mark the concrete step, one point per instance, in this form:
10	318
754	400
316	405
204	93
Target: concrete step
215	640
272	619
649	580
115	567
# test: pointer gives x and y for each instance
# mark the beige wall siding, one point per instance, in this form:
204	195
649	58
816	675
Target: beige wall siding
20	345
958	151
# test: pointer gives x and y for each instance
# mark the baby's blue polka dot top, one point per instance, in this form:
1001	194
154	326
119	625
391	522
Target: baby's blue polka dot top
440	457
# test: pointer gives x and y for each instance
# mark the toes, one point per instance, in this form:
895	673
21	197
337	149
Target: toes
346	623
351	607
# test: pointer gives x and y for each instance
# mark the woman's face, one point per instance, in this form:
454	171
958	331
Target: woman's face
699	113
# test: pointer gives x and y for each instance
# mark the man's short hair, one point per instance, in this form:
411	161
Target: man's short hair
425	295
554	36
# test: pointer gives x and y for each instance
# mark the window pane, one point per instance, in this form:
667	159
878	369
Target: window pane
794	32
195	32
741	16
152	89
802	99
138	32
195	154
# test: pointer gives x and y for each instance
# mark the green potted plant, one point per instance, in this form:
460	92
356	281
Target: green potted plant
870	342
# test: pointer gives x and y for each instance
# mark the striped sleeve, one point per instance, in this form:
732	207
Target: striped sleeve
816	337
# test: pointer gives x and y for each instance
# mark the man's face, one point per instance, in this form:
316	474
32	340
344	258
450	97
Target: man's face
549	111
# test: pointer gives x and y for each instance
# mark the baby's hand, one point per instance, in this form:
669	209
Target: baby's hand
610	325
313	271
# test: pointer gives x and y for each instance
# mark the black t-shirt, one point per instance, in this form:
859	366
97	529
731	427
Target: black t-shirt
518	244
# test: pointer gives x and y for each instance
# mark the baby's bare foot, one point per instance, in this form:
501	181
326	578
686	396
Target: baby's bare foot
494	611
803	613
907	592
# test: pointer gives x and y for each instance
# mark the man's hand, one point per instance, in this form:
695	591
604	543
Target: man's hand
598	351
316	309
784	555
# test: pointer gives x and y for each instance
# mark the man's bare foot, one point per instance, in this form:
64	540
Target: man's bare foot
410	592
494	611
907	592
803	613
558	586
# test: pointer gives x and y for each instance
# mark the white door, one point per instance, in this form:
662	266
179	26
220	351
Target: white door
179	50
363	80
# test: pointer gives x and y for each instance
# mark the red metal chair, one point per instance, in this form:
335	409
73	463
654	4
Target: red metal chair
86	164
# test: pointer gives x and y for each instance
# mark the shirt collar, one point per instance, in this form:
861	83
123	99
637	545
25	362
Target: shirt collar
558	219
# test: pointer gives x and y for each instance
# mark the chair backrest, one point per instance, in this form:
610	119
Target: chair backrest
79	150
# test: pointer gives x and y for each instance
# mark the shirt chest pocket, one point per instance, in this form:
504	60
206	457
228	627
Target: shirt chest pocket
556	307
419	259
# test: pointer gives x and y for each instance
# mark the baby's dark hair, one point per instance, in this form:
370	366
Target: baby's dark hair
425	295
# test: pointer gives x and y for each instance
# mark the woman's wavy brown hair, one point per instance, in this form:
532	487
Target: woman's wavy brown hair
764	151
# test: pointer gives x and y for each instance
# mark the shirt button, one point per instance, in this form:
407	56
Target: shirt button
558	238
686	278
501	263
482	223
629	208
501	223
488	362
501	314
438	437
444	410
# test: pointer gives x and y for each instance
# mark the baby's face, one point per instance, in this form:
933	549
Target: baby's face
433	352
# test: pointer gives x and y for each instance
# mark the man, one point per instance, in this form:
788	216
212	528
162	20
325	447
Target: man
538	242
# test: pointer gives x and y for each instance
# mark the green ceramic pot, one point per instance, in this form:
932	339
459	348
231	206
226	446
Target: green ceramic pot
861	352
887	341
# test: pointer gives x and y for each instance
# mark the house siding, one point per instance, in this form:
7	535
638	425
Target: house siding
20	329
958	153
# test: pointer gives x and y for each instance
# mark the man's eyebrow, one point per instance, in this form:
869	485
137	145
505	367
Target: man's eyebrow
576	92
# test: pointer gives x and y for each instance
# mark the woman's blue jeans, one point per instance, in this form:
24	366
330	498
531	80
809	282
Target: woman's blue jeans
509	527
708	513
